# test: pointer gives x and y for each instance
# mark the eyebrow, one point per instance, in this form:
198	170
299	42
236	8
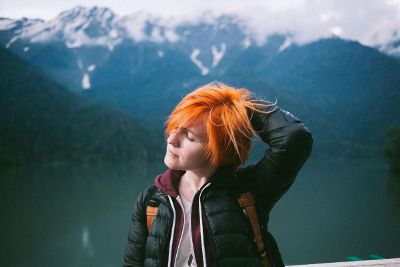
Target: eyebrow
197	136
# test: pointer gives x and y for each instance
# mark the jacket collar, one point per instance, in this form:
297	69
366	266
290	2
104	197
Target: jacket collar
168	182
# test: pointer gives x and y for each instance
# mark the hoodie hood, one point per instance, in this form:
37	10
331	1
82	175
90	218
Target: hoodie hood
168	182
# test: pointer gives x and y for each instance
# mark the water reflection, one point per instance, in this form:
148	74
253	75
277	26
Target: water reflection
69	214
86	254
78	215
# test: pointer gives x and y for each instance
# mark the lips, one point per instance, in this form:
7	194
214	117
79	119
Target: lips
171	153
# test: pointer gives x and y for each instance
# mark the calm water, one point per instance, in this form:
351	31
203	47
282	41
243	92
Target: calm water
74	215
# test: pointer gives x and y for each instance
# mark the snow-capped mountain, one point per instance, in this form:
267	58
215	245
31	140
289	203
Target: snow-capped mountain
205	43
83	26
76	27
100	26
393	46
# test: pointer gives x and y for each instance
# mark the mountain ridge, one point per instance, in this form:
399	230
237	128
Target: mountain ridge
142	26
147	78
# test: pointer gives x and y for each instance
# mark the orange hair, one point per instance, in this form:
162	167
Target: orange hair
225	111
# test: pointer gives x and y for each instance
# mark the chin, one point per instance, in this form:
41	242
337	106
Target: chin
168	163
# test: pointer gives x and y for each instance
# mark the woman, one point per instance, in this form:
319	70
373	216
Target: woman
199	221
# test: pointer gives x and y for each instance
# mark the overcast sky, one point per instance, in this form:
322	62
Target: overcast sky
369	21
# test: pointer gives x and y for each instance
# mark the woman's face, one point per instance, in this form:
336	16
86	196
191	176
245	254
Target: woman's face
185	148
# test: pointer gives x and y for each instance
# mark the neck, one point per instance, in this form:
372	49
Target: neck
192	181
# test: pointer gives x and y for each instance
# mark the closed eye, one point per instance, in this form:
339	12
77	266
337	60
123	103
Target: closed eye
190	138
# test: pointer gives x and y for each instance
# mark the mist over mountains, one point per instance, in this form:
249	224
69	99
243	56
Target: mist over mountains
346	92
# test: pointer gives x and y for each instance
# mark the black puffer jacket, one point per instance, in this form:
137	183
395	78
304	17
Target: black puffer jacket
226	237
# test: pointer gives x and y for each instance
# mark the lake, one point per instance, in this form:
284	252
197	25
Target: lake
68	214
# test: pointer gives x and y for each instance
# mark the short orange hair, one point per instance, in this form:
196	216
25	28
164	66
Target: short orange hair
226	113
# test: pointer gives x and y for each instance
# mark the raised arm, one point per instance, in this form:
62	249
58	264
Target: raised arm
290	144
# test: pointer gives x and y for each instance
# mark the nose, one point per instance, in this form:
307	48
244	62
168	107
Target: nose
173	139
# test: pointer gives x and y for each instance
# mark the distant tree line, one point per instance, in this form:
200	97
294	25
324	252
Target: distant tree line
392	153
41	121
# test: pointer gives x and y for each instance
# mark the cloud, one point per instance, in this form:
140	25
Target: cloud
309	20
367	21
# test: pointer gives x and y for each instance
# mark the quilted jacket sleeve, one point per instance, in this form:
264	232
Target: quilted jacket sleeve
289	145
137	234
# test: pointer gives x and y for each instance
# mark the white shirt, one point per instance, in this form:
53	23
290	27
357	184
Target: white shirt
185	255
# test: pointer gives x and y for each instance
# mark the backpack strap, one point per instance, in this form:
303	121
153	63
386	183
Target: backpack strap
151	213
247	202
151	209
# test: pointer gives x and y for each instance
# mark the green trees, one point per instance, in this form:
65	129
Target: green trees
42	121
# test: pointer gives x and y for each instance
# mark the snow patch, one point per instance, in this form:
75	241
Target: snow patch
110	46
113	34
134	26
196	52
81	39
91	68
26	49
6	24
218	55
222	26
171	36
390	50
156	35
15	38
73	43
86	81
337	31
246	43
286	44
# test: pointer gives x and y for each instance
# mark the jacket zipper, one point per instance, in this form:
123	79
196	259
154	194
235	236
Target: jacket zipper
166	203
203	249
173	229
172	232
180	237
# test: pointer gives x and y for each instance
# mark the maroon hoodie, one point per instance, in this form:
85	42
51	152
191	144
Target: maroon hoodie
168	183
